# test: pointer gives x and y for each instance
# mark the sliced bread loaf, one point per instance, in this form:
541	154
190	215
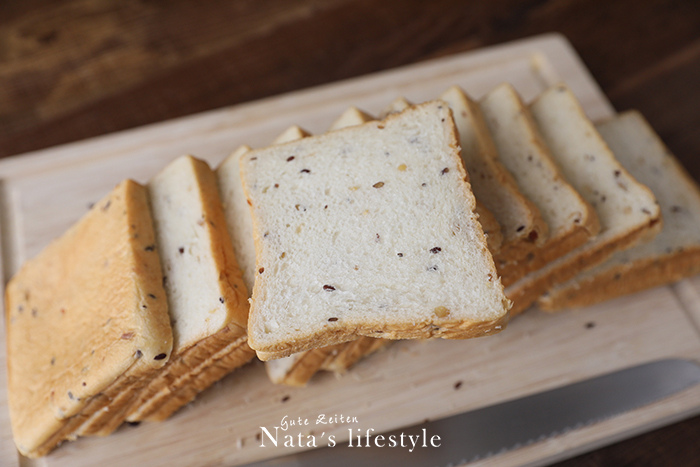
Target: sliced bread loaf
375	224
521	223
570	218
88	314
671	255
206	294
627	210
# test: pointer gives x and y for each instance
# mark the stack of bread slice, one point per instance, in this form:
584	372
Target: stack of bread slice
140	306
341	242
598	190
87	322
673	254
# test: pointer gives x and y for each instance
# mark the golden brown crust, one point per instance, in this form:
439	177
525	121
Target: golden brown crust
523	294
511	272
353	352
231	283
185	369
490	226
219	366
308	364
625	279
87	311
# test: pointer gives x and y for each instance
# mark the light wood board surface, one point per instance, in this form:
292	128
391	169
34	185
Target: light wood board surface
43	193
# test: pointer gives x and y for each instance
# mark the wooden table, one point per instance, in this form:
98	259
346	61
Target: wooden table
71	70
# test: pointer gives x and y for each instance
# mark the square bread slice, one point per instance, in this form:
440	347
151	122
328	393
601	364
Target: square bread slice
492	228
368	230
207	298
671	255
86	314
521	223
571	220
627	210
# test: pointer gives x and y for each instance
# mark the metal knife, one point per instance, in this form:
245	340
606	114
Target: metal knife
508	425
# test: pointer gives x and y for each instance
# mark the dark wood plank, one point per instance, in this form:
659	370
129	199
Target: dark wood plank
73	69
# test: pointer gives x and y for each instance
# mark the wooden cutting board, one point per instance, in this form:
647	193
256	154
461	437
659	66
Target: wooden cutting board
43	193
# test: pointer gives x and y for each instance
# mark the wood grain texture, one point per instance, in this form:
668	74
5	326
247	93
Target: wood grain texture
73	69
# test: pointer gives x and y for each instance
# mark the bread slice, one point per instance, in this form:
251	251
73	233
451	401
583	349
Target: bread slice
627	210
522	225
671	255
203	283
237	213
489	223
331	218
523	152
87	314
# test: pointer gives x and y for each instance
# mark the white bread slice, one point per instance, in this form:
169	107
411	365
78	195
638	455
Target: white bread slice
331	218
627	210
205	290
522	151
522	225
671	255
86	315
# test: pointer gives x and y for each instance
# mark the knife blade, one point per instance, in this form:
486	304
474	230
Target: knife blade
498	428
